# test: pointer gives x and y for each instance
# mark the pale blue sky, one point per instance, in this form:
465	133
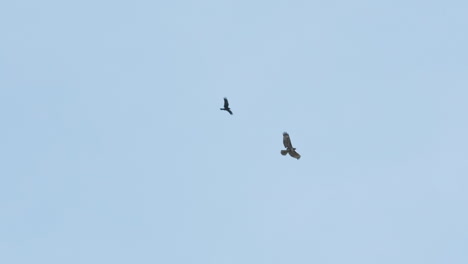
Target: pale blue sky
114	150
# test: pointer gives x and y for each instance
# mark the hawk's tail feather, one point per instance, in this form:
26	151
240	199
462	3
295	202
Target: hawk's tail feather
284	152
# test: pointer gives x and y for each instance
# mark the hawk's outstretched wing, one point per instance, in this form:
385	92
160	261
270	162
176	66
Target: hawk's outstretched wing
287	141
294	154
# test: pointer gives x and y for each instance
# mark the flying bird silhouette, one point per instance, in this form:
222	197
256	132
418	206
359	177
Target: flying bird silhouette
289	148
226	106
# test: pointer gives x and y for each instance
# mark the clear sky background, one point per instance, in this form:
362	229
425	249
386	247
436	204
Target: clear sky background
114	150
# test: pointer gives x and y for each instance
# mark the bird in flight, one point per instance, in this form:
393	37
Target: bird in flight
289	148
226	106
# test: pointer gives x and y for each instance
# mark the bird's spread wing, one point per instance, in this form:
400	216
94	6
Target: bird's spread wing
226	103
294	154
287	141
229	110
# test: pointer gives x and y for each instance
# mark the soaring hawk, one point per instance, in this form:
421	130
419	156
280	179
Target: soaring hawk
289	148
226	106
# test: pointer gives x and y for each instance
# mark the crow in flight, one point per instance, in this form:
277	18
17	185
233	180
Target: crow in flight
226	106
289	148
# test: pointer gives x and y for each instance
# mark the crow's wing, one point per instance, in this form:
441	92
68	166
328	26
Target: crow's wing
287	141
229	110
226	103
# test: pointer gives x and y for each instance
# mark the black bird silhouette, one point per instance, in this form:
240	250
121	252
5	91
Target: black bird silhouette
289	148
226	106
